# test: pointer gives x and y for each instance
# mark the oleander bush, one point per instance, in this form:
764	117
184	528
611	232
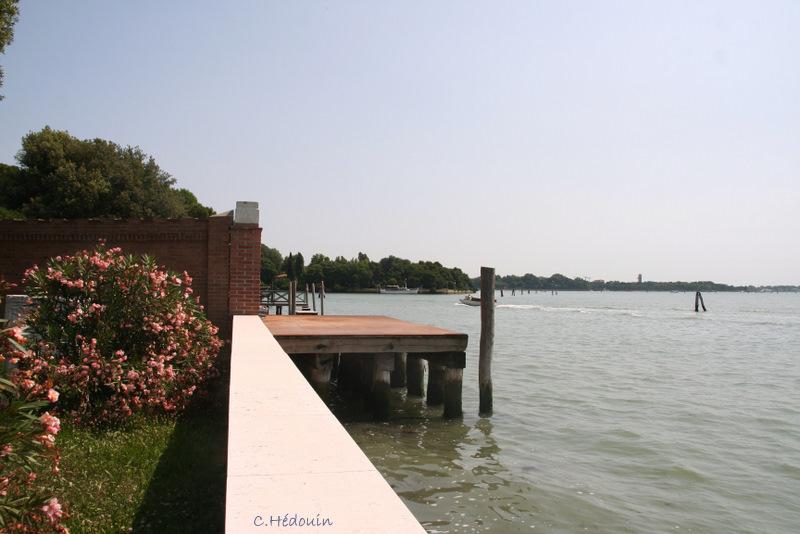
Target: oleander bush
28	456
116	335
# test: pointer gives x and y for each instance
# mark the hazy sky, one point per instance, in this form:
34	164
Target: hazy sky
600	139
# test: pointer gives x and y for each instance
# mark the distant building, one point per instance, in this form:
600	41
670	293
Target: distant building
639	278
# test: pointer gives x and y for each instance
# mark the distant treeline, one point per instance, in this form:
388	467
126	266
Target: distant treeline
559	281
360	273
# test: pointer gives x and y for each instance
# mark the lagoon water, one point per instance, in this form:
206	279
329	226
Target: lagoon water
614	412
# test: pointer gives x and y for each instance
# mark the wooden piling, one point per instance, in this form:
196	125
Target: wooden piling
322	297
305	294
317	370
435	395
313	297
487	340
383	365
698	301
415	376
399	373
452	392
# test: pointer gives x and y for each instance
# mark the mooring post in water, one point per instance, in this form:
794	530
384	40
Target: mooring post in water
322	297
415	375
383	365
453	378
435	393
313	297
399	373
487	340
501	292
305	294
698	301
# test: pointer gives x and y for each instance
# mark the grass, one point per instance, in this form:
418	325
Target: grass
157	474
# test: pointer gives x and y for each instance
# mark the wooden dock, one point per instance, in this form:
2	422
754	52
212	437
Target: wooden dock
375	353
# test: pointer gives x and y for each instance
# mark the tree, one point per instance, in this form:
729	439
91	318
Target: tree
271	261
299	267
61	176
9	13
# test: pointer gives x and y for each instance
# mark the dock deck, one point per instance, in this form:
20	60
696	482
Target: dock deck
375	353
335	334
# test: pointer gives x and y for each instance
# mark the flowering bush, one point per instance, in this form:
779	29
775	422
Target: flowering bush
28	457
116	334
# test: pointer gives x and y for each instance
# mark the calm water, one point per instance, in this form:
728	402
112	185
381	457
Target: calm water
614	412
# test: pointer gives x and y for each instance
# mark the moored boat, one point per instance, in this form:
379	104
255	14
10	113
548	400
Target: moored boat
397	290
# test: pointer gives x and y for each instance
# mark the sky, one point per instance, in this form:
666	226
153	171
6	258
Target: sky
594	139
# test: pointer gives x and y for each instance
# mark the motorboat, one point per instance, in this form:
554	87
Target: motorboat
397	290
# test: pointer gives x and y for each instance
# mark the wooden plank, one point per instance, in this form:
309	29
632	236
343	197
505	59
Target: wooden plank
349	325
368	344
360	334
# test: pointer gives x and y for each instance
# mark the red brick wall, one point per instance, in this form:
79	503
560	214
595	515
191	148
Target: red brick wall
222	258
245	270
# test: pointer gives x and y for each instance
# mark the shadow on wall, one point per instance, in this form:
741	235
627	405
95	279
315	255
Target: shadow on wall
187	491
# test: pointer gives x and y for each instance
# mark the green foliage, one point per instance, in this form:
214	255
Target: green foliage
271	262
61	176
9	13
361	273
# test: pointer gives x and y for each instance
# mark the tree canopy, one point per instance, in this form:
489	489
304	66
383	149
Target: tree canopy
61	176
361	273
9	13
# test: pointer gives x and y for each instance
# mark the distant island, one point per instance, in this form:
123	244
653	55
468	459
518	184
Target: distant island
360	274
561	282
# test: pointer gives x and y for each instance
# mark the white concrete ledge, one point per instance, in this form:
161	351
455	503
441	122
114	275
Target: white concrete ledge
290	461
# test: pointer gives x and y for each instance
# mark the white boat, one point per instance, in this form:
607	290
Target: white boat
397	290
471	300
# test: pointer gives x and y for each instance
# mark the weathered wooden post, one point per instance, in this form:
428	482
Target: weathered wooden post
381	392
313	297
453	378
415	375
317	370
698	301
399	373
322	297
487	340
305	295
435	394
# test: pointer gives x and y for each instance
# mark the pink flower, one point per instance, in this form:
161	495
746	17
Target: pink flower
50	423
52	395
16	333
53	510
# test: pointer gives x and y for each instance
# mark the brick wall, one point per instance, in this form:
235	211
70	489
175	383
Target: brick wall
223	258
